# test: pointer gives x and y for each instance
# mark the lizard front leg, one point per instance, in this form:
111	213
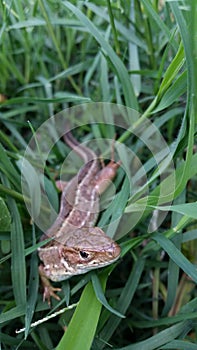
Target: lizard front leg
49	290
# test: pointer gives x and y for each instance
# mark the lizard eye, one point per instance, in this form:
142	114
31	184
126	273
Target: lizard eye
83	254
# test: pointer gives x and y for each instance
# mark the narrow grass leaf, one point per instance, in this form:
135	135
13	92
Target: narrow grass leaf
7	115
15	312
189	209
124	300
8	169
116	62
82	327
16	134
14	343
176	256
183	26
173	278
158	20
18	267
134	64
190	307
163	337
173	269
167	183
165	321
32	287
30	186
72	70
5	218
35	22
5	140
101	297
173	93
172	71
9	64
116	207
126	32
180	344
60	96
90	72
189	236
51	193
104	80
187	24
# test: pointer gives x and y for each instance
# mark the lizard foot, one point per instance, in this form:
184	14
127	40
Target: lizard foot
49	290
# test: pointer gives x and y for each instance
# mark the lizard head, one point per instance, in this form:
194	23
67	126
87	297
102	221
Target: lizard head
86	249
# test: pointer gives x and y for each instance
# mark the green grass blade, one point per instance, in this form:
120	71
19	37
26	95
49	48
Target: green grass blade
32	288
61	97
179	344
116	62
126	32
101	297
115	209
176	256
18	267
157	19
82	327
172	71
8	169
124	301
173	269
188	209
14	343
173	93
30	180
15	312
189	43
5	218
163	337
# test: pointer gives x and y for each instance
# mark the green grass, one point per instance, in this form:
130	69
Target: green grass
137	55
